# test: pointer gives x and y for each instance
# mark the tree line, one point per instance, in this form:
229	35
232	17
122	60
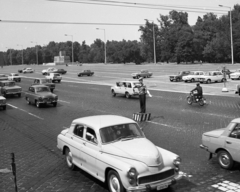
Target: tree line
209	40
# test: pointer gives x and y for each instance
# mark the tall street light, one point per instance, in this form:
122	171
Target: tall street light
230	30
154	49
105	49
36	51
72	47
10	55
22	52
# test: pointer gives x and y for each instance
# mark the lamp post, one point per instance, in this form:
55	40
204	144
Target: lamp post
22	52
10	55
72	47
36	51
230	31
154	49
105	49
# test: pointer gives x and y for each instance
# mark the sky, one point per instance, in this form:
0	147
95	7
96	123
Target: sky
15	35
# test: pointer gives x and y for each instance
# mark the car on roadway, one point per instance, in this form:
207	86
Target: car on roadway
14	77
3	77
143	73
10	88
54	77
28	70
40	95
127	88
212	76
49	70
179	76
114	150
224	142
44	81
193	76
3	102
21	70
61	71
235	75
85	72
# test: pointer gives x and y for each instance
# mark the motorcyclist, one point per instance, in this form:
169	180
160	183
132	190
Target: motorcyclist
199	91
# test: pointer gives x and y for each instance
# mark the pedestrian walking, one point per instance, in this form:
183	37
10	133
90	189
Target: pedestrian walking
142	95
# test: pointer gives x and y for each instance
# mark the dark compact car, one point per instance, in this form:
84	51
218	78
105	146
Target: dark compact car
179	76
21	70
85	72
40	95
44	81
61	71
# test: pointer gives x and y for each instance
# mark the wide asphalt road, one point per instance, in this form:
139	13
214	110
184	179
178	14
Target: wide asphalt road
31	133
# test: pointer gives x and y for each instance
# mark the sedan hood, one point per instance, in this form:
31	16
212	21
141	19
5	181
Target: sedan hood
12	88
215	133
139	149
46	94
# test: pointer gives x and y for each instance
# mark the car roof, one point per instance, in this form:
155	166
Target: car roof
128	81
39	86
100	121
237	120
6	81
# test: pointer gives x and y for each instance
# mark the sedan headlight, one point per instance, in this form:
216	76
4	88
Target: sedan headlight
132	176
176	163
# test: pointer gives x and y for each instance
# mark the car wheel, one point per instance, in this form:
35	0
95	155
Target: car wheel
223	80
127	95
52	90
192	80
113	93
59	81
225	160
38	104
4	107
69	159
114	182
138	77
55	104
28	101
208	81
171	80
238	91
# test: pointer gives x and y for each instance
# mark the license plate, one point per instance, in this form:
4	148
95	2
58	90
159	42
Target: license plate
162	187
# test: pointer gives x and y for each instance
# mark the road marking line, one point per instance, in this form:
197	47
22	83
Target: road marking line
12	106
63	101
36	116
165	125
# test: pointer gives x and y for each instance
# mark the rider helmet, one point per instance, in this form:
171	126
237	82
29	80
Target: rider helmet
198	84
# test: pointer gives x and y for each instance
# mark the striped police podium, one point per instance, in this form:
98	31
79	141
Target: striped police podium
141	116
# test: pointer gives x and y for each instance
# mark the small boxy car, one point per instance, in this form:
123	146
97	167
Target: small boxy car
126	88
54	77
27	70
225	143
44	81
143	73
179	76
14	77
115	150
3	102
193	76
3	77
10	88
40	95
49	70
212	76
85	72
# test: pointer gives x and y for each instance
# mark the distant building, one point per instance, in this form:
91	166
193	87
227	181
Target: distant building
62	59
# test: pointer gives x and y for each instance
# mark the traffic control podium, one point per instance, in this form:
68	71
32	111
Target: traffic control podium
141	116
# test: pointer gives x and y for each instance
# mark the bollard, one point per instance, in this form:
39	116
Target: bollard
141	116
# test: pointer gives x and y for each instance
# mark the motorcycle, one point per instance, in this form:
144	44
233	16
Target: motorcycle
192	99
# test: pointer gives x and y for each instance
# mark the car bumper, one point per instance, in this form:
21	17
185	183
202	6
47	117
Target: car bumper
203	147
155	186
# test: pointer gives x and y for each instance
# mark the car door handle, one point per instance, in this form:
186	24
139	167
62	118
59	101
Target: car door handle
228	142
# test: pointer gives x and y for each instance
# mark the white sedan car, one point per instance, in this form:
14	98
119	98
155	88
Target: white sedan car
114	150
126	88
193	76
28	70
212	76
235	75
14	77
49	70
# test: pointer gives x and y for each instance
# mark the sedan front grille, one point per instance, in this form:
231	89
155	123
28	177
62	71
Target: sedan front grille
157	177
48	99
13	90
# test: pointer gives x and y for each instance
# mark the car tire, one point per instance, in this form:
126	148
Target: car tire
55	104
38	104
69	159
113	93
171	80
138	77
224	80
225	159
114	182
51	90
4	107
127	95
19	94
28	101
238	91
59	81
192	80
208	81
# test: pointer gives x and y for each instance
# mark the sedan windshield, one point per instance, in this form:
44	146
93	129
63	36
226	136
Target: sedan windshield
120	132
42	89
9	84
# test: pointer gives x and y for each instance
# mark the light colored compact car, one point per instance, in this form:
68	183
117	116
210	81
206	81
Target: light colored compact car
3	102
235	75
143	73
3	77
10	88
54	77
225	143
193	76
28	70
114	150
126	88
14	77
212	76
49	70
